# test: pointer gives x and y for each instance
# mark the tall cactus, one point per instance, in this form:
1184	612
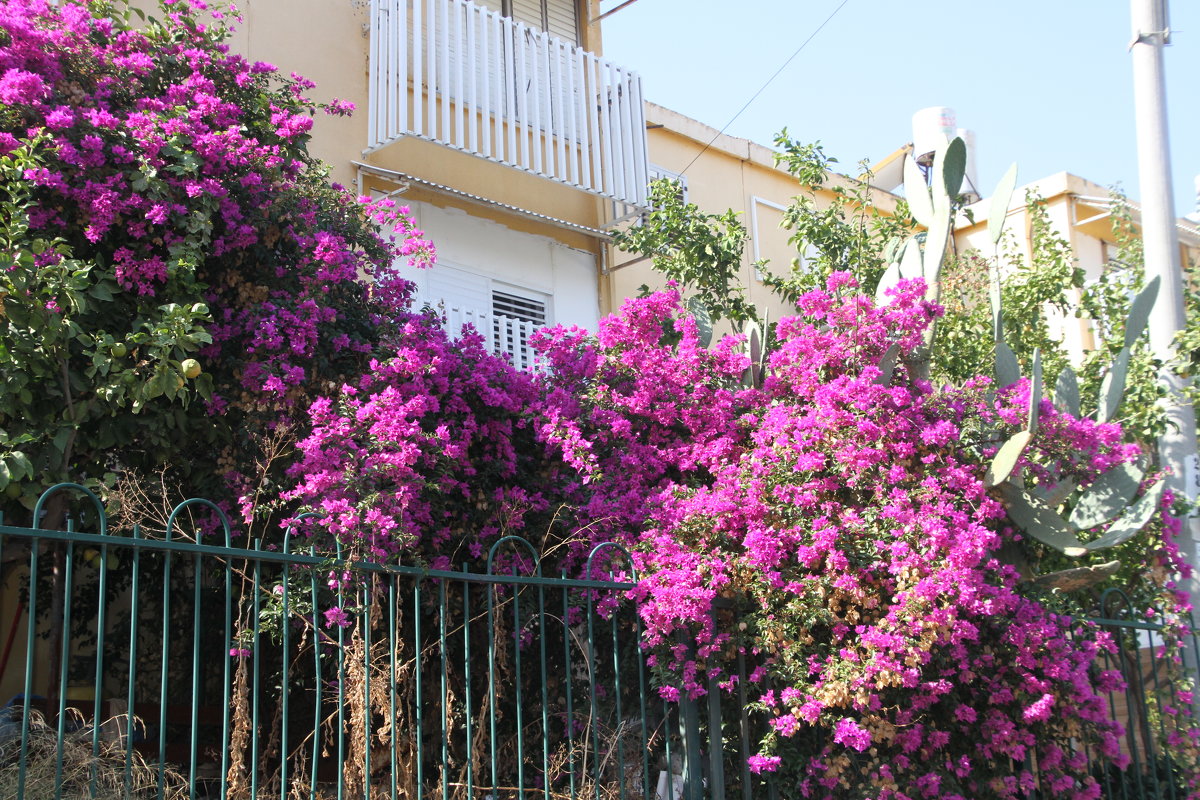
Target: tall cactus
933	207
1033	510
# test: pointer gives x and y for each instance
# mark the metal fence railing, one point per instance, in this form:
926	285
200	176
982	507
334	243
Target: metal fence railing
179	664
1150	709
170	667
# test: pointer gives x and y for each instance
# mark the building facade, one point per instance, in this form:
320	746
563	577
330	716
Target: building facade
513	143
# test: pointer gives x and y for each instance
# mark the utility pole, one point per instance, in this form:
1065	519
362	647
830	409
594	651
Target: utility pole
1177	447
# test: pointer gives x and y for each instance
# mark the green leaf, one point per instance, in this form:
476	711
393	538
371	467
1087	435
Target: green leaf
1132	522
1076	578
704	325
1006	458
204	386
954	167
1054	497
1008	369
22	467
1000	200
887	365
917	193
1035	391
158	384
1107	496
994	298
1040	522
100	292
891	250
61	438
935	251
1139	311
1112	389
1066	392
5	475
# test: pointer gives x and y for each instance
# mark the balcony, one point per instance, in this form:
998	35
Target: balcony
465	77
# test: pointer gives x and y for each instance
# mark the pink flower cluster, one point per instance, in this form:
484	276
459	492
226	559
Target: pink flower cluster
427	453
889	638
178	171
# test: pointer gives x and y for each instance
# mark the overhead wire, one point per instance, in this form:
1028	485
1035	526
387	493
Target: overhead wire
763	88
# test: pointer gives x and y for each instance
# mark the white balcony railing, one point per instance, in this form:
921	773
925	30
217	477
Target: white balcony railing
503	335
455	73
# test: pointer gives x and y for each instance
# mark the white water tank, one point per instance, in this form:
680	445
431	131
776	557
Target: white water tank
932	128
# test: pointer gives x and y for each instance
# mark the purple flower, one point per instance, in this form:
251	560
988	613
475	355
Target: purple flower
759	764
851	734
21	86
336	616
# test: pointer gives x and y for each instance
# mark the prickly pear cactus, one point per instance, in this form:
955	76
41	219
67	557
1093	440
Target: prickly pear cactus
1032	509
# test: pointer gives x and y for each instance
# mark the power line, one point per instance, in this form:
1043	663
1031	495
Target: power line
763	88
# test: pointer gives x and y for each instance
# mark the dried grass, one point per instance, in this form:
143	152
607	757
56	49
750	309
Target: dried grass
83	776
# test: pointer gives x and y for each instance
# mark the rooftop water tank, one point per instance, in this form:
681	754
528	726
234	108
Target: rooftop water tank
932	128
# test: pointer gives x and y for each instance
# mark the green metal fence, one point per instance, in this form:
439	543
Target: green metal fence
181	665
1148	706
169	667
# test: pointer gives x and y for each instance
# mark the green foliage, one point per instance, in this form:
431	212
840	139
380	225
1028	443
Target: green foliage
79	356
849	234
1000	202
1029	287
1006	458
1108	495
701	252
1066	392
1108	302
1040	521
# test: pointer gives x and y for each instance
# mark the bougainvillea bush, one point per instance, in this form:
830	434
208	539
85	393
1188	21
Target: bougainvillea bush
180	283
894	651
178	267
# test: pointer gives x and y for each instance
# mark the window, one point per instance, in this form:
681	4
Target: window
514	319
556	17
504	314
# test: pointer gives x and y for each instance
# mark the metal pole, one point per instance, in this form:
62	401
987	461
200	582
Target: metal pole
1177	447
1154	170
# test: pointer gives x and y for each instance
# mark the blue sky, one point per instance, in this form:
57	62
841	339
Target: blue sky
1045	83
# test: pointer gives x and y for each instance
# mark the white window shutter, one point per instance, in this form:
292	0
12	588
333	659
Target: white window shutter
462	297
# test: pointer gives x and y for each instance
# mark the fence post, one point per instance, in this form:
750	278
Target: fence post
693	771
716	743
